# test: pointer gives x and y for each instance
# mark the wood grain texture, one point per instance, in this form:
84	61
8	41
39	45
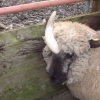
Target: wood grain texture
22	68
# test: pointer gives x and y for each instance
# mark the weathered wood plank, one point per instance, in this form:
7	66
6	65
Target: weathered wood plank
91	19
22	69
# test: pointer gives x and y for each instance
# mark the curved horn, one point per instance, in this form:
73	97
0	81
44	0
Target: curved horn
49	35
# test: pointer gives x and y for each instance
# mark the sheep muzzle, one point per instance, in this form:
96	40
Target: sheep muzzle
59	67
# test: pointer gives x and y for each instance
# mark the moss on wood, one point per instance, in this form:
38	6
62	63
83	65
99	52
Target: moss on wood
22	69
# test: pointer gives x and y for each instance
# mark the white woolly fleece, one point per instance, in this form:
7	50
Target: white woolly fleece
84	74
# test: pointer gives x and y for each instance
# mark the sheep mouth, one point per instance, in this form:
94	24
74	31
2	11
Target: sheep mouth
58	80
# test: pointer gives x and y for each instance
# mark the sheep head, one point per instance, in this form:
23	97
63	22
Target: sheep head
65	42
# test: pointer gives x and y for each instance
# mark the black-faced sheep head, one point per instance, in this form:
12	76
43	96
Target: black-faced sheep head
65	42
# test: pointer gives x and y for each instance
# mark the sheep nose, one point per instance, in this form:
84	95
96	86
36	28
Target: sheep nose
55	80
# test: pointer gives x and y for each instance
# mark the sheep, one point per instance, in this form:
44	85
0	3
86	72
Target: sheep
72	55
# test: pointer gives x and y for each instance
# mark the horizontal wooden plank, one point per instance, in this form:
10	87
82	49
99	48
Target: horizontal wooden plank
22	69
90	19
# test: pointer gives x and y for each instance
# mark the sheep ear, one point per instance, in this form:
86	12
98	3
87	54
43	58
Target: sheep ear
94	43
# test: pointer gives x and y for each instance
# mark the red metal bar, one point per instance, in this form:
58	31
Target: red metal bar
36	5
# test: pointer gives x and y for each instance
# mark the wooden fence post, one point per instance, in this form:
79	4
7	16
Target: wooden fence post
95	5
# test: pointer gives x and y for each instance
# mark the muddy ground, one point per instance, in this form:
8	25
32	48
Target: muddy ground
36	16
